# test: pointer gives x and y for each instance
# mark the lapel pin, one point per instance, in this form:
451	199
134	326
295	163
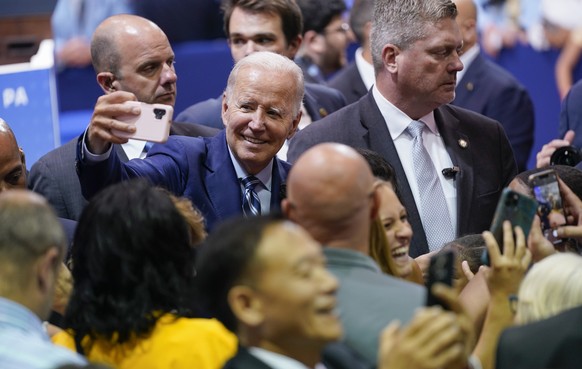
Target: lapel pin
322	112
470	86
463	143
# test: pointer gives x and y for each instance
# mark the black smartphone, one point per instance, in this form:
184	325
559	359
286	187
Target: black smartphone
547	193
518	209
441	270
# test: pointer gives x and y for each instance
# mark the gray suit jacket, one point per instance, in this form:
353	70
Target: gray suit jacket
55	177
369	299
486	162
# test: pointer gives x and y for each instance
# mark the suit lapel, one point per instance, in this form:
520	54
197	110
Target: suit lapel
378	137
221	183
470	82
458	147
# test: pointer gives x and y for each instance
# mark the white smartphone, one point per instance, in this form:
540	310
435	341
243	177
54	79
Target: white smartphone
153	124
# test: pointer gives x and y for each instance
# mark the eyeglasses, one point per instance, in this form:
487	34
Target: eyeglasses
343	28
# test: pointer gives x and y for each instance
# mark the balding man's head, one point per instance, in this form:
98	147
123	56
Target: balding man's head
467	21
12	164
330	192
133	54
32	243
106	52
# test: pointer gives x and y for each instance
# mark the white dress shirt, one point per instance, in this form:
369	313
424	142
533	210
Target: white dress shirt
366	69
397	123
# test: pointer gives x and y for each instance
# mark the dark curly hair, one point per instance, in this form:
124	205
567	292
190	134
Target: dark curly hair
132	262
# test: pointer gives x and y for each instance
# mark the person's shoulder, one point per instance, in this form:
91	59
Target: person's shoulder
197	113
497	75
466	116
66	150
319	91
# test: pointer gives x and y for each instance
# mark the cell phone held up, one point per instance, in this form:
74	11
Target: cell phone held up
518	209
152	124
550	210
440	270
515	207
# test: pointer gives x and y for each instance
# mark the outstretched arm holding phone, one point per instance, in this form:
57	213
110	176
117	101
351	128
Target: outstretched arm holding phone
507	270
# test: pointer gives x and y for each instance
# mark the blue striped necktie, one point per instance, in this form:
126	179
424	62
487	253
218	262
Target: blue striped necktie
250	202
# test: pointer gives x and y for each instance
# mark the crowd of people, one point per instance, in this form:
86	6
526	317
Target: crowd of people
294	221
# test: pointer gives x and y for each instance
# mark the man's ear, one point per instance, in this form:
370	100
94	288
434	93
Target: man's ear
294	125
389	56
22	157
246	305
294	46
106	81
47	269
224	109
313	42
375	208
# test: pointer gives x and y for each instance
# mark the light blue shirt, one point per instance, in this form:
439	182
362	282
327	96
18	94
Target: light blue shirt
24	343
67	21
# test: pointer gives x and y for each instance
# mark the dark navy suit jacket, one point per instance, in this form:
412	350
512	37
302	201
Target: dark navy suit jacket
54	175
349	82
486	161
197	168
319	101
571	114
488	89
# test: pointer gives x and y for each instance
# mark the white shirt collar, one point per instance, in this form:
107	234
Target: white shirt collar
134	149
396	120
366	69
275	360
264	175
467	58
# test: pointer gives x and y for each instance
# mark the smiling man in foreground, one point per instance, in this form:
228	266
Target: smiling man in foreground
233	173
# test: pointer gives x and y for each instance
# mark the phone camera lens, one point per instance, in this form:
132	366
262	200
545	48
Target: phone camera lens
159	113
567	155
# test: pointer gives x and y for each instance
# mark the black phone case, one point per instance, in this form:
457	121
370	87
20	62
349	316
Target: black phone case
441	270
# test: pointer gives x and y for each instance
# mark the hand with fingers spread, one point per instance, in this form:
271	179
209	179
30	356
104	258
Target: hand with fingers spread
110	106
543	157
507	267
503	279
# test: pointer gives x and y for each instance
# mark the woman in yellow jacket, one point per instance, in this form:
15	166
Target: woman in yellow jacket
133	271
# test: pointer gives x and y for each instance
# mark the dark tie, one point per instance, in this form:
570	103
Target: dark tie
433	209
250	202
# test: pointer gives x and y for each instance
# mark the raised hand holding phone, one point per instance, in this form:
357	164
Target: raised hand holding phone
550	209
152	124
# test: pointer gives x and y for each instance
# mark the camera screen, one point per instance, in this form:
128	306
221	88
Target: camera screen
550	211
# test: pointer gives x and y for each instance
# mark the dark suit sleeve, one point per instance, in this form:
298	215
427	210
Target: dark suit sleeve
167	165
514	108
